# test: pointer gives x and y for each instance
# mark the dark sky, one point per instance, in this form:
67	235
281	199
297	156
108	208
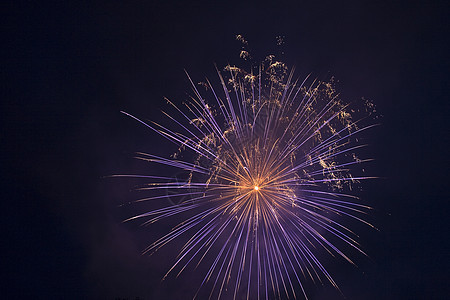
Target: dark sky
69	68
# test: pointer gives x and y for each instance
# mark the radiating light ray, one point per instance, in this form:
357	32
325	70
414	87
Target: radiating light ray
269	185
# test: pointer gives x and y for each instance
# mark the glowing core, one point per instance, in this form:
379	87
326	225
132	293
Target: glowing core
256	188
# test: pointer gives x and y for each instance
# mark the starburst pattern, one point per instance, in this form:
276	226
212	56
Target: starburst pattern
269	185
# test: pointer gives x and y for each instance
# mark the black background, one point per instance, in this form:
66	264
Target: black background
69	68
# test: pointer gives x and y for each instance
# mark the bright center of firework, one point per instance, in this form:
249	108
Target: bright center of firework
256	188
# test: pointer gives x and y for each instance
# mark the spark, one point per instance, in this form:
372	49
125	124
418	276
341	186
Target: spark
270	164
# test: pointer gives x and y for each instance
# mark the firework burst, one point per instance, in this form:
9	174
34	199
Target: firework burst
269	184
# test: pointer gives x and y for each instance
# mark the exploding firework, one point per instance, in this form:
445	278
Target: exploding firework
269	183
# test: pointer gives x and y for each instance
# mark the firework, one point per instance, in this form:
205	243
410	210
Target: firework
269	183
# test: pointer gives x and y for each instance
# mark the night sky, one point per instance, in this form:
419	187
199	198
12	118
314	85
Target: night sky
68	69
